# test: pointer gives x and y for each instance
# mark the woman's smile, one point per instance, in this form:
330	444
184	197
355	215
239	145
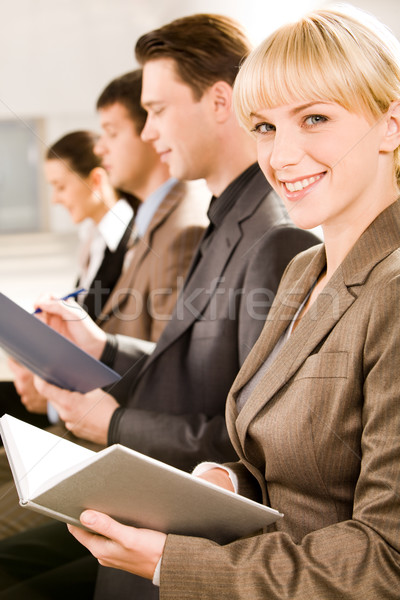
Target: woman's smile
296	189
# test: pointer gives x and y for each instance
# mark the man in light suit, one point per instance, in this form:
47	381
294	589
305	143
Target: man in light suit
170	403
169	222
156	262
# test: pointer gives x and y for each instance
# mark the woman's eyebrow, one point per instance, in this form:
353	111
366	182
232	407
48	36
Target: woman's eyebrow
294	110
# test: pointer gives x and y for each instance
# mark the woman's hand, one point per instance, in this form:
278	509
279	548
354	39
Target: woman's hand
72	321
23	381
219	477
120	546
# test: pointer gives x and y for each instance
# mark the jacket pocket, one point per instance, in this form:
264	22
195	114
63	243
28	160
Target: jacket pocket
324	365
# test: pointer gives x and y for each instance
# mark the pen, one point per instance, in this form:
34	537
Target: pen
71	295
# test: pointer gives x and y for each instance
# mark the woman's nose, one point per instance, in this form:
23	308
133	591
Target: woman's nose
286	149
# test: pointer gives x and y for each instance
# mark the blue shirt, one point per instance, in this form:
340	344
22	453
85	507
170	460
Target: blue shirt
147	209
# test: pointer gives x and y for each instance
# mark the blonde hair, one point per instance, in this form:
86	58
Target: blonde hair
340	54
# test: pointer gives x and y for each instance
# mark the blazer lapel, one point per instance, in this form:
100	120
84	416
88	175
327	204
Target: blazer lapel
377	242
287	302
326	311
198	290
142	247
209	268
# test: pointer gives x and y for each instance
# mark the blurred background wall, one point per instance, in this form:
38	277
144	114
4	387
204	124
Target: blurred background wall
57	56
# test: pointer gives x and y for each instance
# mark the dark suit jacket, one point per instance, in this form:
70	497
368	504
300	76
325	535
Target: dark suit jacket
318	439
176	404
174	410
144	296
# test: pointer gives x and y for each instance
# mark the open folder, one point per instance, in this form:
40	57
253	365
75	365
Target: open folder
60	479
47	353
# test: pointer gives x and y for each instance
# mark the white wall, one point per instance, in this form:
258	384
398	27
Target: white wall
57	55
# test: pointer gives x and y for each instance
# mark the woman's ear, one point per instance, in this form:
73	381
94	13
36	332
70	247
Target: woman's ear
101	188
391	139
96	180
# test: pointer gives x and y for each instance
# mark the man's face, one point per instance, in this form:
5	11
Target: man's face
180	127
126	157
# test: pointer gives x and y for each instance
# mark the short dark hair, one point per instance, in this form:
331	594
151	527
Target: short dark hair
126	90
206	48
77	150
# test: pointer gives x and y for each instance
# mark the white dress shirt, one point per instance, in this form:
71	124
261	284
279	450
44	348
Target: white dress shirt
106	234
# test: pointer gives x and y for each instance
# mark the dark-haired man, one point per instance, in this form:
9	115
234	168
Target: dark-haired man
168	225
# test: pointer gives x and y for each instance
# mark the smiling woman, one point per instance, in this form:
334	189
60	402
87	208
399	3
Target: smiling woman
326	121
81	184
73	171
328	164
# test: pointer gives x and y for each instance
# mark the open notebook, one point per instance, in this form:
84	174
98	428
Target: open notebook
60	479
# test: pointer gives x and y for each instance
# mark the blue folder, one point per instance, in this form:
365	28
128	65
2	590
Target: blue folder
47	353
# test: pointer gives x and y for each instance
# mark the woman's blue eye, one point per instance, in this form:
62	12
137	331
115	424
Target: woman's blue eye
315	119
263	128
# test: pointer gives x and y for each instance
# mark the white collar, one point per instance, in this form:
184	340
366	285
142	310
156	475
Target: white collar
114	223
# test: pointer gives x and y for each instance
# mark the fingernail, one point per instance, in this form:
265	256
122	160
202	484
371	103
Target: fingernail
88	518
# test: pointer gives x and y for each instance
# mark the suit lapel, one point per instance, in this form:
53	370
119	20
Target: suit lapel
326	311
142	248
282	312
198	290
209	268
376	243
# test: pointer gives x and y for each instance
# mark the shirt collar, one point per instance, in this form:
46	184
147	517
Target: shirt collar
113	225
147	209
221	205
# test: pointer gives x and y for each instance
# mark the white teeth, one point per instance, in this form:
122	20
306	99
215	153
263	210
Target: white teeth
300	185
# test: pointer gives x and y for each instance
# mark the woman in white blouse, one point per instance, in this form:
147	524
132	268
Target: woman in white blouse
79	183
82	186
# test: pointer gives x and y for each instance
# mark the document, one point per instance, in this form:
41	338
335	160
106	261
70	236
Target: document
60	479
47	353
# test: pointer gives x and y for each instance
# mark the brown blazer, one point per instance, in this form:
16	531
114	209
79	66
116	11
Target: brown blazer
144	296
318	439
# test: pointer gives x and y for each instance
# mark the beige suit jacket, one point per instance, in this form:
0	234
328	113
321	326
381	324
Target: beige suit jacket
318	439
144	296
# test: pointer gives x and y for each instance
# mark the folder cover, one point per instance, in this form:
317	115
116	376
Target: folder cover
47	353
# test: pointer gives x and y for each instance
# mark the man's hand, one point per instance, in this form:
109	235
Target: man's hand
119	546
88	415
23	381
73	322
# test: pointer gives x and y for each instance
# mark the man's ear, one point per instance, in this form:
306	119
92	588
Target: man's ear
221	97
391	139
